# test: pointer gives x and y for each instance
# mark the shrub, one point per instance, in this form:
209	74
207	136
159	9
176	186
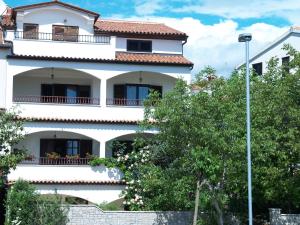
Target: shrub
26	207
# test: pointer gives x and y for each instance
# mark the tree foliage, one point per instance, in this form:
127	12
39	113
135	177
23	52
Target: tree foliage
26	207
202	138
11	133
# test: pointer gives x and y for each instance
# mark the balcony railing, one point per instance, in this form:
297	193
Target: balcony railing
58	161
58	37
124	102
57	100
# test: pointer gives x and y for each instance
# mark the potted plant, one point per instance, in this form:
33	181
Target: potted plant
53	157
89	156
29	157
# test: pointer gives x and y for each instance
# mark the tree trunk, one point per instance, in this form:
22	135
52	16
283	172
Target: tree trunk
219	212
196	203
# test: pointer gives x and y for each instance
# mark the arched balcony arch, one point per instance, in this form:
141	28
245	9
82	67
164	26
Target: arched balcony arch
58	148
126	141
130	89
56	85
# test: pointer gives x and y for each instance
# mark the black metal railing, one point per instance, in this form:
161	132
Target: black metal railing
57	100
59	37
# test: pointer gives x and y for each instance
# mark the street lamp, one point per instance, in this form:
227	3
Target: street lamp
247	38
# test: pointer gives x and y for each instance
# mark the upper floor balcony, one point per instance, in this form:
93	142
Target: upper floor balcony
73	94
57	44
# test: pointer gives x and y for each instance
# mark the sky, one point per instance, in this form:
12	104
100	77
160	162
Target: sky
213	26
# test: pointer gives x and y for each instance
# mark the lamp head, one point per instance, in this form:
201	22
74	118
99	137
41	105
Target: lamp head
245	37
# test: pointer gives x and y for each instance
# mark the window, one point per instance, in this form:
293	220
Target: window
257	67
139	46
65	33
285	64
65	93
66	147
30	31
133	94
72	147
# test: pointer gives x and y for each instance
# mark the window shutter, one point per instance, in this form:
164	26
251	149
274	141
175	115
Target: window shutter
84	91
59	90
71	34
30	31
46	90
86	146
46	146
119	91
119	94
58	33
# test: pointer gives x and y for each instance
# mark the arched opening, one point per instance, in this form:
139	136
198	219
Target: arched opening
123	144
58	148
56	85
66	199
131	89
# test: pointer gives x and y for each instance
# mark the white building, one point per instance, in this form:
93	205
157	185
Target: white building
80	81
260	61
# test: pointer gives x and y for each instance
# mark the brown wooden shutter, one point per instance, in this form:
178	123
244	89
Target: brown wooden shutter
58	33
30	31
86	146
119	94
71	34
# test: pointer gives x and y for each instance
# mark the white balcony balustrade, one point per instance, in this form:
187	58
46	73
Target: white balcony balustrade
73	46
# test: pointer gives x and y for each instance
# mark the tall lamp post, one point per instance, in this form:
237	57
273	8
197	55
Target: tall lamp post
247	38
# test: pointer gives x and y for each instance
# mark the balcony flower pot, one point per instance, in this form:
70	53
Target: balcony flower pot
29	158
53	157
72	159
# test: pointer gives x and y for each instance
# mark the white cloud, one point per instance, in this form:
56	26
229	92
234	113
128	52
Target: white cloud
217	44
144	7
288	9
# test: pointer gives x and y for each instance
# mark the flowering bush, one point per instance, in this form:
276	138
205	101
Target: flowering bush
133	193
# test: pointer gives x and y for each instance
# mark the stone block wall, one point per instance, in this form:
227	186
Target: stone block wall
92	215
276	218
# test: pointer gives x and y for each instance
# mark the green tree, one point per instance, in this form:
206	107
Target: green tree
201	144
11	133
26	207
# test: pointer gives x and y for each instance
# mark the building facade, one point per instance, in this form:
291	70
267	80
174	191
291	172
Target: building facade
259	62
79	82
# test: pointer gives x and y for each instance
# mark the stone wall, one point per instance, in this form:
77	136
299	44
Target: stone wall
91	215
276	218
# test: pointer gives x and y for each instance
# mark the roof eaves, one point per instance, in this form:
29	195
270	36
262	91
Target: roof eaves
37	5
51	58
269	46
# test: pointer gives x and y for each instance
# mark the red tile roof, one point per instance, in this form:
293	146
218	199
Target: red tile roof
63	120
114	27
138	28
83	182
7	19
152	58
121	57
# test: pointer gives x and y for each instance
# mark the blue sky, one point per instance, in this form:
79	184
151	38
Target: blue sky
212	25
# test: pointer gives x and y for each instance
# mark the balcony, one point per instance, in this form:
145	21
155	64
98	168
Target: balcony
57	100
73	46
68	38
